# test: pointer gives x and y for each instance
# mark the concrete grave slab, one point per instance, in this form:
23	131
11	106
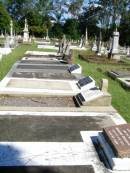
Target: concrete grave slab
49	128
56	57
40	53
43	66
37	101
46	154
35	61
118	74
47	47
18	86
44	75
125	81
39	84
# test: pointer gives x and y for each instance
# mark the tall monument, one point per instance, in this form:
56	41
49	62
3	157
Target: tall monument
11	28
86	37
10	42
25	32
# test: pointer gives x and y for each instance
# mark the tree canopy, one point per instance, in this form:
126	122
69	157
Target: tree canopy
70	17
4	19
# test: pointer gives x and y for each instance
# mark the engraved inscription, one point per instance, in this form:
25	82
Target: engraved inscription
119	139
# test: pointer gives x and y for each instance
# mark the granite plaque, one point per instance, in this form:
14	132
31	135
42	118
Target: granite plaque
119	139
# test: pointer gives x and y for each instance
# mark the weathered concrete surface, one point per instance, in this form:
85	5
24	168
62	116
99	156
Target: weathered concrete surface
44	75
49	128
37	66
50	85
37	101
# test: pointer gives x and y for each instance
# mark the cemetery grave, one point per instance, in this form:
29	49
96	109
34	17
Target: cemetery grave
56	136
93	98
54	118
86	83
43	101
116	146
49	128
44	74
125	82
100	60
118	74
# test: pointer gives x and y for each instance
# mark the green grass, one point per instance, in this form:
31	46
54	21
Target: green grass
17	54
10	59
120	96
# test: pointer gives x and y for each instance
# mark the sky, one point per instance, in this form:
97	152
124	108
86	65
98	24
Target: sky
86	2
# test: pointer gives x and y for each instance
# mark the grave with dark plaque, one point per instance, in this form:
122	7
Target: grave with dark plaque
86	82
118	74
119	139
115	146
73	67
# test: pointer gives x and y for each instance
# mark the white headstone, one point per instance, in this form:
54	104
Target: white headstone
115	43
128	51
26	32
81	42
94	48
2	35
47	36
102	49
11	28
86	37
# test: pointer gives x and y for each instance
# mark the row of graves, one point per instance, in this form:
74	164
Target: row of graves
110	48
55	119
61	44
11	41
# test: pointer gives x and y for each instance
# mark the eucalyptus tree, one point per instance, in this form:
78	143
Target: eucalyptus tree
74	7
17	9
113	10
4	19
89	19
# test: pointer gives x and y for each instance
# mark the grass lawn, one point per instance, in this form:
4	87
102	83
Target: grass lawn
10	59
17	53
120	97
